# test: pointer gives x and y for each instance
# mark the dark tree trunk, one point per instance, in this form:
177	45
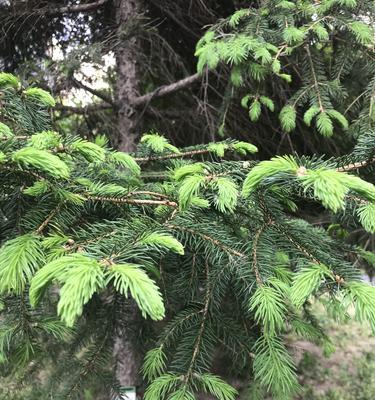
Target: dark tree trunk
128	14
127	352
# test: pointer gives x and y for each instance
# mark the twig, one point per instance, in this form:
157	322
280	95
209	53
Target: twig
255	253
356	165
123	200
84	110
14	137
48	219
172	155
216	242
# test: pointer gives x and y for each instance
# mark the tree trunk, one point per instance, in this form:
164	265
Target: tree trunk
127	352
127	53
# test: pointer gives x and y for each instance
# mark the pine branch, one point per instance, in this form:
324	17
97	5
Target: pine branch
316	83
304	251
87	367
138	101
23	171
255	253
198	340
216	242
49	218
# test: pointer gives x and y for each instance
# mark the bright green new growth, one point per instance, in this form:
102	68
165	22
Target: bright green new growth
157	143
366	215
331	187
154	363
126	161
43	161
171	386
189	189
274	368
19	260
163	240
189	169
243	148
5	131
269	309
227	194
90	151
266	169
288	117
80	282
132	278
46	140
306	281
362	296
40	96
215	386
9	80
218	148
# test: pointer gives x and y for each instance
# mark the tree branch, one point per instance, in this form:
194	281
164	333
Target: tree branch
80	7
66	9
138	101
165	90
83	110
96	93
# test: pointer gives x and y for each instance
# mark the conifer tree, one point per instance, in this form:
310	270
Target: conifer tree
216	245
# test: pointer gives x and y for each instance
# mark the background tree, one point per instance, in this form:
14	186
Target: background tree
297	75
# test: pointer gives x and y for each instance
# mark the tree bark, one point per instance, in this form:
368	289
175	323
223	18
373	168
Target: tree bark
127	53
127	350
128	354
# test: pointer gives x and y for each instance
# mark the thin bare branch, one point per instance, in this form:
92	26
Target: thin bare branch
66	9
356	165
96	93
165	90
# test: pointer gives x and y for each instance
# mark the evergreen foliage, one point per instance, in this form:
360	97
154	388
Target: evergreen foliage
210	243
299	59
216	246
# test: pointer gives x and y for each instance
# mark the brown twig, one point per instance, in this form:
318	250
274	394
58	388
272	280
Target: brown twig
24	171
172	155
125	200
356	165
14	137
48	219
216	242
257	235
